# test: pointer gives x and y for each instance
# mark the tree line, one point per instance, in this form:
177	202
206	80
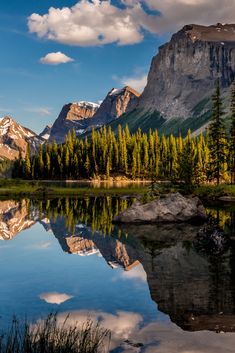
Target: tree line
209	157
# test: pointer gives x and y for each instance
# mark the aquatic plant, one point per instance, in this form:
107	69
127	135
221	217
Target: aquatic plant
48	336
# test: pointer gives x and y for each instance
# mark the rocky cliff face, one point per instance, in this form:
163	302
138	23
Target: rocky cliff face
116	103
15	138
185	70
72	116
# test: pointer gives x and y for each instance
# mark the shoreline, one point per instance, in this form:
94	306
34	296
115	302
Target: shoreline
209	194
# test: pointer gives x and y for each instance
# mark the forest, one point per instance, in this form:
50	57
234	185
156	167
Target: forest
208	158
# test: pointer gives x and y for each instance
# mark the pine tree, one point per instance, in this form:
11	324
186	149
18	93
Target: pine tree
134	162
232	136
28	163
187	161
217	138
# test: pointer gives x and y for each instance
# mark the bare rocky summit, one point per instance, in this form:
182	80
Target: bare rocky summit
72	116
116	103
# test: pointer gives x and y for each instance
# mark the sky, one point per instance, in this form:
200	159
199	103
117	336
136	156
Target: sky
58	51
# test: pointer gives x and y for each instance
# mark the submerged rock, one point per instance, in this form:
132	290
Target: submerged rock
211	240
172	207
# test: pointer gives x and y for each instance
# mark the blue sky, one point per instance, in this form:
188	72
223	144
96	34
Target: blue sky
33	93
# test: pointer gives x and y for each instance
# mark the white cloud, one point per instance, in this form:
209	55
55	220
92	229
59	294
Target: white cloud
5	110
56	59
138	82
40	246
91	23
55	298
136	273
98	22
156	337
39	110
176	13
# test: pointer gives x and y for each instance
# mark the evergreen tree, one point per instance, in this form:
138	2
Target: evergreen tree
28	163
187	161
232	136
217	138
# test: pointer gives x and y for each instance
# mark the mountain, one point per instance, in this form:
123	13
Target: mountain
116	103
72	116
15	138
13	218
182	79
195	288
84	116
45	134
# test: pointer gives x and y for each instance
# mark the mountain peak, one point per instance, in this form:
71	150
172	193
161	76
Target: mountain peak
116	91
73	116
87	105
15	138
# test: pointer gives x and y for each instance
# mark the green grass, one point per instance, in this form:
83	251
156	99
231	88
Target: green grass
48	336
214	192
20	188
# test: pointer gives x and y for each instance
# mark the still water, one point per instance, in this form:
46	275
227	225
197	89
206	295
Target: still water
157	288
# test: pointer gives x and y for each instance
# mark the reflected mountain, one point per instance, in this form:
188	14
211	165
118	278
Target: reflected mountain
14	217
196	290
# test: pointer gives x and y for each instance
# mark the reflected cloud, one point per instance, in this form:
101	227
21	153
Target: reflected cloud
137	273
40	246
55	297
130	335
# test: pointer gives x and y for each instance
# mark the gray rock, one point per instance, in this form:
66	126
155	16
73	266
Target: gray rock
171	208
184	71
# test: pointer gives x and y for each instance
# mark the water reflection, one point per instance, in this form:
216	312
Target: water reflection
131	335
196	289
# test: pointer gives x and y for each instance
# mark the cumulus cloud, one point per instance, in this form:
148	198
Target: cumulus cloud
97	22
56	59
55	298
92	22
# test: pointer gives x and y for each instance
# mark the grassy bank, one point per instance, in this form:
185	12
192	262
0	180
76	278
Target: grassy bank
215	192
21	188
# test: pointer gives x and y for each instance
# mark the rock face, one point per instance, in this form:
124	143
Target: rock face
171	208
116	103
15	138
84	116
72	116
184	71
45	134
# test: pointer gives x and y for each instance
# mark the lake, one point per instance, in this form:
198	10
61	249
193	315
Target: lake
157	288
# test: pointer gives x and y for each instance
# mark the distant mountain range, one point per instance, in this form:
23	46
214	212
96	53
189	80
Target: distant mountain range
177	96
